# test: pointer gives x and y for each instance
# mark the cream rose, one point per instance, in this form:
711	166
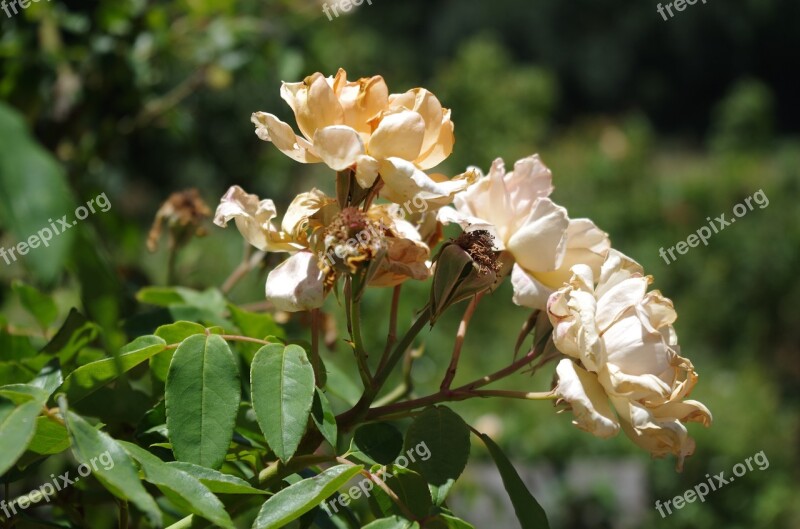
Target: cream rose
538	234
624	349
358	125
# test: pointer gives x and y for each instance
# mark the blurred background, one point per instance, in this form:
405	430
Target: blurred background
650	126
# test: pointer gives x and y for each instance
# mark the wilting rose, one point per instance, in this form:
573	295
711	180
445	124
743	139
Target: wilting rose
358	125
297	283
624	349
311	230
542	240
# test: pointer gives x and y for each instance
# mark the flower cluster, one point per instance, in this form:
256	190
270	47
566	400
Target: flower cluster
620	366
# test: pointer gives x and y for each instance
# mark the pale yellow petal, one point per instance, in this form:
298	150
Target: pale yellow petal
338	146
403	182
270	128
528	292
399	135
590	405
367	169
314	103
539	245
362	100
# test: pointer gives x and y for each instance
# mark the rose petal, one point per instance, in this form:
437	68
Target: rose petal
589	402
314	104
270	128
528	292
338	146
296	284
403	182
253	219
539	245
399	135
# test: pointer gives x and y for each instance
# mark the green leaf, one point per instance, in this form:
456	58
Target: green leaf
160	296
282	381
255	324
202	395
175	333
90	377
446	521
121	478
15	346
187	304
377	442
444	436
17	428
75	333
15	373
22	393
529	512
49	377
51	437
411	489
40	305
184	490
394	522
33	190
216	481
324	418
296	500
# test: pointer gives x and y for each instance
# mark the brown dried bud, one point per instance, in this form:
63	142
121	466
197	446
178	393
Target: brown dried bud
183	213
464	267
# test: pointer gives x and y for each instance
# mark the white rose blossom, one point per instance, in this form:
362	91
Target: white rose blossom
624	351
538	235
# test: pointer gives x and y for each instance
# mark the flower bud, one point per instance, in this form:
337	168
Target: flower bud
465	267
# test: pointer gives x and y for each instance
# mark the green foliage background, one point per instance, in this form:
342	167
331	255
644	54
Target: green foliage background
649	127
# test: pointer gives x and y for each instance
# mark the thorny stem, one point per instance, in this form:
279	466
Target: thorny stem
459	343
422	320
392	336
384	487
278	470
467	391
527	327
407	385
357	412
123	514
453	395
354	327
